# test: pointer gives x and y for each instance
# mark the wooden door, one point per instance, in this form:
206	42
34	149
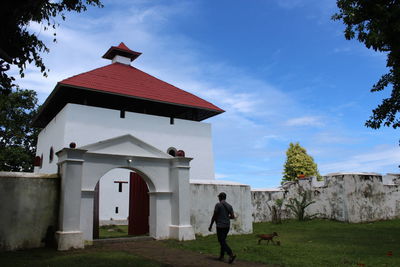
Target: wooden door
96	211
138	206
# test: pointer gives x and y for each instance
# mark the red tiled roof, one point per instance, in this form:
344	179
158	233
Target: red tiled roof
126	80
123	46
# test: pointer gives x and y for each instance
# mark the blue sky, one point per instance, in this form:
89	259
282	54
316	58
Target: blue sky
281	69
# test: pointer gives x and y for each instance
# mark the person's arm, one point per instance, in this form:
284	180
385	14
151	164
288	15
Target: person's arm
213	218
232	215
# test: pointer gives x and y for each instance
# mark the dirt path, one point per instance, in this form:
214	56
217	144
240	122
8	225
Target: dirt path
171	257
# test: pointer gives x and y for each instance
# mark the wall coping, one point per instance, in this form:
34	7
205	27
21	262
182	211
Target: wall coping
267	189
216	182
353	173
28	175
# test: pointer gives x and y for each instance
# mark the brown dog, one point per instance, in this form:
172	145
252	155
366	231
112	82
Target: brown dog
268	237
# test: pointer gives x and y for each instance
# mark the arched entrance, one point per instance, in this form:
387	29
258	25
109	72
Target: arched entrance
167	179
120	205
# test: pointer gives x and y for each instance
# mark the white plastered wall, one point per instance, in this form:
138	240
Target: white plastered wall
85	125
53	135
203	197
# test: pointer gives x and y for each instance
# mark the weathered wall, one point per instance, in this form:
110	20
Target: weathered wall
204	197
28	206
358	197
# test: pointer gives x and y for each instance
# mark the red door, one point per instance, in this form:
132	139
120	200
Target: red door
96	211
138	206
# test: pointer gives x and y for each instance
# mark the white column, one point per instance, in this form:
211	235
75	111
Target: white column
160	214
70	164
180	228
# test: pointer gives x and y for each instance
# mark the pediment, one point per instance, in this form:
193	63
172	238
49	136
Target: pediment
126	145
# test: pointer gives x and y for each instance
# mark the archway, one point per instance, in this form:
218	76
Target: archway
120	205
167	179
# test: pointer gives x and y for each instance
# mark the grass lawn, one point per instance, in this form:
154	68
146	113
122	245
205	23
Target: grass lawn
110	231
313	243
50	257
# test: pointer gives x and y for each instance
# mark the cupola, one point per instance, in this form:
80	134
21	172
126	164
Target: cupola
121	54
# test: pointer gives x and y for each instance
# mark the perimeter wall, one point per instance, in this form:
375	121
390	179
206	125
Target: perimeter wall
29	203
347	197
29	206
204	197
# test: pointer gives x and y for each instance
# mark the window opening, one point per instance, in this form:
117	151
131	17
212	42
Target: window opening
120	185
172	151
51	154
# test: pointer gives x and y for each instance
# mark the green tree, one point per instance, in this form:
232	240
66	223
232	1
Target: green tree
17	138
298	162
20	47
376	24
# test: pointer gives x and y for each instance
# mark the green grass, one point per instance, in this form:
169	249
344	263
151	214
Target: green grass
112	231
50	258
313	243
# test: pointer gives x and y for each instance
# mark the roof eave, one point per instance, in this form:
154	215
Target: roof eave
141	98
111	52
44	105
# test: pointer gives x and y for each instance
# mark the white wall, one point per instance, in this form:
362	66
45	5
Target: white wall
51	136
204	197
29	209
85	125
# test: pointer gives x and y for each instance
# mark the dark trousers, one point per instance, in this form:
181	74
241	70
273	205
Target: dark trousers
221	234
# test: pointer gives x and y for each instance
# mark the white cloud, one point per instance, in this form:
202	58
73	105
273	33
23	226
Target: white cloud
335	137
266	139
221	175
305	121
380	160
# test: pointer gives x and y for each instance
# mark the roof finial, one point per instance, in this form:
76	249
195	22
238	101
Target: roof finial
121	54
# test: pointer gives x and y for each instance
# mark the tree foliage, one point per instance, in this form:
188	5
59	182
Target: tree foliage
377	25
20	47
17	137
298	162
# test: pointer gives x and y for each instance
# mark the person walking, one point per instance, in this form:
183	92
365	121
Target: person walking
223	212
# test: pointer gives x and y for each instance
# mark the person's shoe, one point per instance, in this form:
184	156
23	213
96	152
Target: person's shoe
232	259
221	258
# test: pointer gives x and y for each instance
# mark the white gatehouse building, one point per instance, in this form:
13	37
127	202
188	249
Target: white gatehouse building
120	111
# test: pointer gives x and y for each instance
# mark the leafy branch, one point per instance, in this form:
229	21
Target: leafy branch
298	207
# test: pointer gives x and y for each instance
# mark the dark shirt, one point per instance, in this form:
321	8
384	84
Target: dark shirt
221	214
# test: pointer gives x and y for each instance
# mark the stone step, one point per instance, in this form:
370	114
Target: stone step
122	239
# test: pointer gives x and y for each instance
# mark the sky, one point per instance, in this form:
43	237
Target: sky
281	69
